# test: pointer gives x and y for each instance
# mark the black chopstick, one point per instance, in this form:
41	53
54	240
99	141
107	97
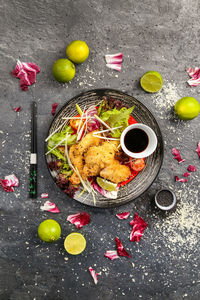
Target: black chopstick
33	157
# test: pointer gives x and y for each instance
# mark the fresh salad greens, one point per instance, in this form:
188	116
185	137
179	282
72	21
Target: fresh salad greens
59	139
117	118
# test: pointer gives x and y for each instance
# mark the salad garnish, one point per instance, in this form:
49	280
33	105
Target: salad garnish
89	148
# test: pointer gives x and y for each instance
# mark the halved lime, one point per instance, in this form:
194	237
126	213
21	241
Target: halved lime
151	82
75	243
49	231
106	185
187	108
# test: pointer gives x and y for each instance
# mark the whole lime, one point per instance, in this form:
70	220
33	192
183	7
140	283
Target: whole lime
77	51
187	108
49	231
63	70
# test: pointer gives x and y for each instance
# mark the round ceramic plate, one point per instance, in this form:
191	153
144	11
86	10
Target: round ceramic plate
142	115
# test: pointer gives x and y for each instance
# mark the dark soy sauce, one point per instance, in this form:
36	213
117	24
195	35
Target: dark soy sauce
136	140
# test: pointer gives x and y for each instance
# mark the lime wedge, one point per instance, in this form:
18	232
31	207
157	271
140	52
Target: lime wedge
75	243
106	185
151	82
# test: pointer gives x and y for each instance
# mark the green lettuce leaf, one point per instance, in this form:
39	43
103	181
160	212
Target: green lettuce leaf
59	136
117	118
67	173
57	153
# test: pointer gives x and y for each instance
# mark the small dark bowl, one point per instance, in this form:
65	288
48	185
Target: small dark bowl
145	178
162	207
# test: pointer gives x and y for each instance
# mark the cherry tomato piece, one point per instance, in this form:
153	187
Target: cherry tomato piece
137	164
74	123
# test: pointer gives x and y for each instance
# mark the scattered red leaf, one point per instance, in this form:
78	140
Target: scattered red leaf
79	219
138	227
54	106
191	168
123	215
186	174
198	149
94	275
120	248
194	73
111	254
177	155
26	72
5	187
44	195
180	179
17	109
9	182
50	206
114	61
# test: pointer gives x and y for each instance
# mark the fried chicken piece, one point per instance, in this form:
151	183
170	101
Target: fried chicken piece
74	179
88	141
75	157
115	172
76	152
97	157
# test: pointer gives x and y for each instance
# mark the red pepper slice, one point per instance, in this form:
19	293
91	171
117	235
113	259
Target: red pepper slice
137	164
131	120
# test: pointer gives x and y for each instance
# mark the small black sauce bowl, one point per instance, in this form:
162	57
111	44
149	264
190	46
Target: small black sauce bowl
166	208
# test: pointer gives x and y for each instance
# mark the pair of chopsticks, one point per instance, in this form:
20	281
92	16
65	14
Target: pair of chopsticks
33	156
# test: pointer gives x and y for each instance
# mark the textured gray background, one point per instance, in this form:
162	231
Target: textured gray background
158	35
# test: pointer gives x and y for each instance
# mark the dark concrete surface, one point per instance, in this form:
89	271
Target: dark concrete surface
153	35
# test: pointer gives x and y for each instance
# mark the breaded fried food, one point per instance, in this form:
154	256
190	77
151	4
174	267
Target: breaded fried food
115	172
100	155
74	179
97	157
76	152
88	141
75	157
94	157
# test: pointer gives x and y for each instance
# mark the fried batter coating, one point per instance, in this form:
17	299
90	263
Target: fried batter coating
115	172
94	157
97	157
88	141
76	152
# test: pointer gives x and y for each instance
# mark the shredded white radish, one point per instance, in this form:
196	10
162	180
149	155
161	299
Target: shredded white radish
66	150
73	118
82	181
54	131
91	187
106	130
103	123
106	138
85	127
79	126
75	169
81	193
81	131
55	146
